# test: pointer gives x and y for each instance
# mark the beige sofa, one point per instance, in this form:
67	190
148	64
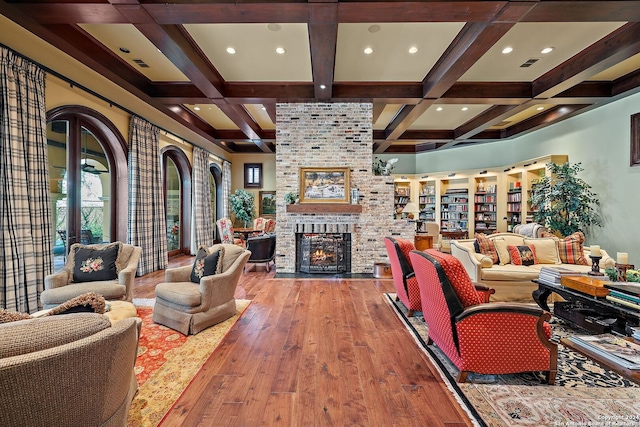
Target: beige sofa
67	370
514	282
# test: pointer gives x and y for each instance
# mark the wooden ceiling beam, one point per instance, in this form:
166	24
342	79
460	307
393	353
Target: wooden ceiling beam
323	37
584	11
238	115
486	119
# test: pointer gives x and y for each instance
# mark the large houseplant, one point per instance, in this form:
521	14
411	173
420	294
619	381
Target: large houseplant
563	202
242	205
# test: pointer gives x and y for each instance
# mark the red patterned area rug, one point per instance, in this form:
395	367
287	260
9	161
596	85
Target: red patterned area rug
167	362
584	394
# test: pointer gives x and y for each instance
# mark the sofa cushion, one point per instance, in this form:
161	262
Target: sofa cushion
503	252
206	263
487	247
27	336
90	302
546	250
485	261
92	264
7	316
522	255
570	249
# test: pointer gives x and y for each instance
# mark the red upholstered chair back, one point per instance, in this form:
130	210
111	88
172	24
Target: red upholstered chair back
458	277
403	277
258	223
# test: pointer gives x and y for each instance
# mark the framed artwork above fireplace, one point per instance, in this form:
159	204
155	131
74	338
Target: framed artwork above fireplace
324	185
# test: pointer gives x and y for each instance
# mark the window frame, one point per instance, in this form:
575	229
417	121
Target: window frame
250	170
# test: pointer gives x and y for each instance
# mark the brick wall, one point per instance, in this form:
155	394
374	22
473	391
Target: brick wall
334	135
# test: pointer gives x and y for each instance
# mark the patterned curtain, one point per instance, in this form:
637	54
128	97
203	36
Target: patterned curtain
201	215
226	188
25	212
147	223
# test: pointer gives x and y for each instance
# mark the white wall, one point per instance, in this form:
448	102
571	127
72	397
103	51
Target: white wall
600	140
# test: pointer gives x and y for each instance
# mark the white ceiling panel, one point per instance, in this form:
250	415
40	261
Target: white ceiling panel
527	41
260	115
391	60
116	36
213	115
451	116
255	45
619	70
389	112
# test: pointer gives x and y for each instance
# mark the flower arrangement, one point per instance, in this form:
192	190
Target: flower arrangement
291	197
633	276
611	273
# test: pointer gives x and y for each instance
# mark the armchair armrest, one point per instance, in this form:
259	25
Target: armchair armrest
468	260
56	280
484	291
178	274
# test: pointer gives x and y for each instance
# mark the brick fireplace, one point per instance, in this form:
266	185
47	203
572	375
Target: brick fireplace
333	135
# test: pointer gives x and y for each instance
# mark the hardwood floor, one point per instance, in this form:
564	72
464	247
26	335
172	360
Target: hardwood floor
313	352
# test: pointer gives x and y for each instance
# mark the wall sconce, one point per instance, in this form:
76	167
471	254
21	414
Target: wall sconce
527	164
483	172
452	174
425	177
507	169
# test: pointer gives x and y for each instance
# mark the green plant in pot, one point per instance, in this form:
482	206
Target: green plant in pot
243	206
563	202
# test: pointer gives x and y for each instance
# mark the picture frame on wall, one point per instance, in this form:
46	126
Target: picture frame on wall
635	139
324	185
267	206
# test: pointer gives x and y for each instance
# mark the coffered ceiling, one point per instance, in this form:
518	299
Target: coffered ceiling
436	72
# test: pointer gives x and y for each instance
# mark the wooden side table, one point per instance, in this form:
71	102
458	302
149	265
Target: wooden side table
422	242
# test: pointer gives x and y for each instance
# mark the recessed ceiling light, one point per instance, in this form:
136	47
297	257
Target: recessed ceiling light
507	50
280	50
547	50
464	108
196	108
264	109
323	86
374	28
540	108
439	109
273	27
231	50
368	51
124	50
413	49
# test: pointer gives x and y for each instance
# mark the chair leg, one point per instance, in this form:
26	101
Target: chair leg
462	376
410	314
550	377
268	267
397	298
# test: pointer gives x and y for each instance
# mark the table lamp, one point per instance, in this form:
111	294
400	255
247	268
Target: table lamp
410	209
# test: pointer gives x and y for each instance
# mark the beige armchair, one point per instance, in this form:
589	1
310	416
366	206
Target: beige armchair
191	307
67	370
433	229
59	287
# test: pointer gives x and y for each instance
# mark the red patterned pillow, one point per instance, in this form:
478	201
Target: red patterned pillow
522	255
570	249
487	247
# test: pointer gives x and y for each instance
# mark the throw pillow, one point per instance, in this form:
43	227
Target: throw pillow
206	264
570	249
487	247
92	264
90	302
7	316
546	250
503	252
522	255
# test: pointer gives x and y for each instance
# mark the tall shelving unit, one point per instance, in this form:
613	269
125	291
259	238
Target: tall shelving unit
454	205
514	200
427	201
402	196
485	205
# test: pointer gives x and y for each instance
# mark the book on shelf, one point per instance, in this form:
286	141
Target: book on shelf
624	296
624	302
615	349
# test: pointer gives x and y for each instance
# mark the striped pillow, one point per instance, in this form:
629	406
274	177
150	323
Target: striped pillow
487	247
570	249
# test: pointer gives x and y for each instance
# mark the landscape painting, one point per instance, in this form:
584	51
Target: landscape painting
324	185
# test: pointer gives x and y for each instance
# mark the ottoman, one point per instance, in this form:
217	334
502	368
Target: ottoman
119	310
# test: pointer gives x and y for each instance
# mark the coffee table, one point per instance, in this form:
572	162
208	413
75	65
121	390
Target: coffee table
624	316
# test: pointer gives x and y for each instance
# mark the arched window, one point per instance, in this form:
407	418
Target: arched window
88	171
177	190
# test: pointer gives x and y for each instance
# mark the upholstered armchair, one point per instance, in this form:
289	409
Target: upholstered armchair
74	280
226	234
489	338
263	249
433	229
404	280
190	307
265	225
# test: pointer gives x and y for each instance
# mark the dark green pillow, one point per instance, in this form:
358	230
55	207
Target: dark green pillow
91	264
205	264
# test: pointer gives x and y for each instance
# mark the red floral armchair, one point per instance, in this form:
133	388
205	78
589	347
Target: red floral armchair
486	338
225	232
406	285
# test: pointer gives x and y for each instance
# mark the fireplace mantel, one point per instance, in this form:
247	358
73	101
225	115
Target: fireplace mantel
324	208
314	208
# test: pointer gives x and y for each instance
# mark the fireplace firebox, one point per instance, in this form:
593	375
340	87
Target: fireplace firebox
323	252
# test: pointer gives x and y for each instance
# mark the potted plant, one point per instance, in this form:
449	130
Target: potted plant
563	202
291	197
242	205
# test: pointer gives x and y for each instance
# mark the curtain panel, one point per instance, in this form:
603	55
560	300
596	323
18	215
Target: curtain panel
25	212
147	223
226	188
201	215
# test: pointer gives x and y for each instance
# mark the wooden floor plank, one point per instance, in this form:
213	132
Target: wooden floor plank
323	352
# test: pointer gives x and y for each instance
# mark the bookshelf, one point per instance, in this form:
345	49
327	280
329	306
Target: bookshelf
454	205
485	205
401	196
514	200
427	201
